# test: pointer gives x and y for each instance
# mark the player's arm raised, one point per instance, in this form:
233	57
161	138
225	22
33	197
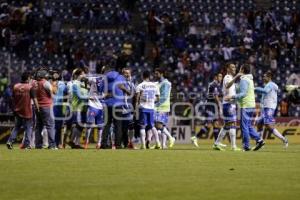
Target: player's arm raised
230	83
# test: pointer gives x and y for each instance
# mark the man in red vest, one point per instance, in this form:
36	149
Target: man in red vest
44	116
23	93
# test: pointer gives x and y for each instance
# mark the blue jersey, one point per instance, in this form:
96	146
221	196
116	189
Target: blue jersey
113	80
269	95
61	92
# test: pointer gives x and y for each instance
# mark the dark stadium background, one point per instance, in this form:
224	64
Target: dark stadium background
188	38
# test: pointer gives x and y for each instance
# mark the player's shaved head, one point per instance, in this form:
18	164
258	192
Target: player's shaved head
231	69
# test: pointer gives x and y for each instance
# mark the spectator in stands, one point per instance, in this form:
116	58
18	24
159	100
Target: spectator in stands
294	79
284	107
152	24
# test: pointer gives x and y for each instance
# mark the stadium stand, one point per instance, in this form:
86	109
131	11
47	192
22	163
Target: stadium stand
192	39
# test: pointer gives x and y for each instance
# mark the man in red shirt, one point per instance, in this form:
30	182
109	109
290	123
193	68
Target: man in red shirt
23	93
44	116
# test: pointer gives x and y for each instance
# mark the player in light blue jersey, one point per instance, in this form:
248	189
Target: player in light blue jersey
268	107
163	108
147	94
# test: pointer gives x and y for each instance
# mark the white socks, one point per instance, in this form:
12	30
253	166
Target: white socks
156	137
221	136
143	137
167	133
99	136
232	134
277	134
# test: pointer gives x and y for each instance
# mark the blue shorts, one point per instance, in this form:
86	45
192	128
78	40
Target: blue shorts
162	117
267	116
229	112
146	118
95	116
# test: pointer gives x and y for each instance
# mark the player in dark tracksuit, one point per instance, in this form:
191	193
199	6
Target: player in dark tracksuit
214	93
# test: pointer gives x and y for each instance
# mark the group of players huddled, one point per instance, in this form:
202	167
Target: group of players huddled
114	106
109	102
240	98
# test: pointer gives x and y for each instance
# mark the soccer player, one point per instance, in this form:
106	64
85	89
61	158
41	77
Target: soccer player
213	103
23	93
147	93
229	109
163	108
246	98
58	108
268	107
95	109
128	123
79	107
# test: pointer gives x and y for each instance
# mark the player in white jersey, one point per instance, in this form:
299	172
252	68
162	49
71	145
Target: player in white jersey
147	93
229	109
268	107
95	109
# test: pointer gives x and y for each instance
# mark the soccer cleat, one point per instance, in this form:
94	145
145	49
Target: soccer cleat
236	149
222	145
247	149
77	146
148	145
157	146
218	148
98	146
286	143
53	148
21	146
194	141
172	142
9	145
259	145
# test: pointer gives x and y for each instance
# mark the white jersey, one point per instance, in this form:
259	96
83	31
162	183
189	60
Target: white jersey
148	92
230	91
94	95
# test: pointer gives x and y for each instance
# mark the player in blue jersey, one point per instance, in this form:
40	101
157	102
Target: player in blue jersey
268	107
147	93
163	108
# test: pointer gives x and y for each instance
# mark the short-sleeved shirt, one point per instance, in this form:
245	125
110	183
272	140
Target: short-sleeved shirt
148	92
22	95
214	90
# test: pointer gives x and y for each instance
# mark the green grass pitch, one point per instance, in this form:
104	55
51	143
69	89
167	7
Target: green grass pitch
179	174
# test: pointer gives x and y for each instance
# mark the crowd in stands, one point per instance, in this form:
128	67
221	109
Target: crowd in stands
192	39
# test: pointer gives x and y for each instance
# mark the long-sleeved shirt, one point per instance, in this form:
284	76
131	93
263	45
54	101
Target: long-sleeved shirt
163	104
269	95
